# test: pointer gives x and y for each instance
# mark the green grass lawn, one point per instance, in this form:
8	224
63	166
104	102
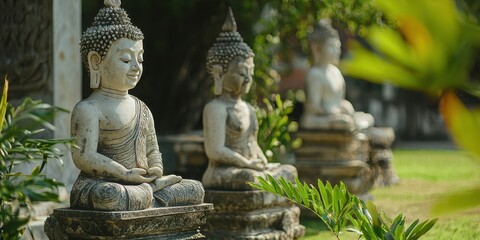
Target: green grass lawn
425	175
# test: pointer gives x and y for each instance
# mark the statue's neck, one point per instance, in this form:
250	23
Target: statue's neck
112	92
228	97
323	65
321	61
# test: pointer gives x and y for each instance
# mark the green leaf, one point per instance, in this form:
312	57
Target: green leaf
3	103
458	201
422	228
36	170
463	123
410	228
372	209
371	67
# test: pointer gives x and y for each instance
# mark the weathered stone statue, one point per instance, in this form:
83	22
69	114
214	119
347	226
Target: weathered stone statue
230	124
118	154
230	130
121	166
339	144
326	106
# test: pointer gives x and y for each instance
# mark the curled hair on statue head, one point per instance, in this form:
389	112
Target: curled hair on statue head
110	24
228	45
322	31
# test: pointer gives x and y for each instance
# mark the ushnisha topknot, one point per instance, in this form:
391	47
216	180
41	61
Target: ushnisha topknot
110	24
229	44
322	31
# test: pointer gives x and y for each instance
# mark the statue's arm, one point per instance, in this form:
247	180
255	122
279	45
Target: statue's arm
314	92
214	126
153	153
254	135
85	130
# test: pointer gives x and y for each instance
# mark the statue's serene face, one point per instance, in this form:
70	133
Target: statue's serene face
238	77
122	68
331	50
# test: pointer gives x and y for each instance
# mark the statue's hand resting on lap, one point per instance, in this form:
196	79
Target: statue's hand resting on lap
257	164
137	175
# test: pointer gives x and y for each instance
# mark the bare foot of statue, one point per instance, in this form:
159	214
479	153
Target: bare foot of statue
165	181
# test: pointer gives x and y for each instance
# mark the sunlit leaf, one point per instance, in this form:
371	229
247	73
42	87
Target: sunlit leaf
372	67
463	123
3	103
457	201
392	45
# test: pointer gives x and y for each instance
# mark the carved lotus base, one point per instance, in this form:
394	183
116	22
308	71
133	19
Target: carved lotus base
251	215
172	223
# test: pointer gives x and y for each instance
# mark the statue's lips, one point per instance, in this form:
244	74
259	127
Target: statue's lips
132	76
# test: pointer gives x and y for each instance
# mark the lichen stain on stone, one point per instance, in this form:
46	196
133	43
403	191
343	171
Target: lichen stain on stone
84	141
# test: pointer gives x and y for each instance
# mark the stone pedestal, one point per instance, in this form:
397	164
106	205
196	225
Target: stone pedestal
192	160
251	215
183	222
188	153
381	155
335	156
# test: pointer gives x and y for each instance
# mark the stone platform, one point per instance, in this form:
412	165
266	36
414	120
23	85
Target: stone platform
335	156
189	153
166	223
251	215
381	155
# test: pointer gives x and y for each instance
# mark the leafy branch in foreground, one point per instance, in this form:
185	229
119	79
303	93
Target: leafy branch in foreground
336	207
20	144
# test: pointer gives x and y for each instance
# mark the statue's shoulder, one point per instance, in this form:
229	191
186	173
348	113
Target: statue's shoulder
215	103
215	106
316	74
250	106
140	102
87	105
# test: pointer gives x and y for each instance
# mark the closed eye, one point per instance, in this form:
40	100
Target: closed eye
125	60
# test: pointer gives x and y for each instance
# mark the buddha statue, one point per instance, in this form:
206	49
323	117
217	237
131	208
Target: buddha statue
325	105
118	154
230	124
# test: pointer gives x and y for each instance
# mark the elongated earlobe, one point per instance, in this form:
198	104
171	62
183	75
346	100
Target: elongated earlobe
217	72
94	67
95	79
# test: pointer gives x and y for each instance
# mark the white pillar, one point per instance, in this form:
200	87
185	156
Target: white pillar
67	78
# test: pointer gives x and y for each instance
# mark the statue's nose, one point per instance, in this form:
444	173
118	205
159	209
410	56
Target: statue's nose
135	67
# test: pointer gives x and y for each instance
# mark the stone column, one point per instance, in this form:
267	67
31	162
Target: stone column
67	75
40	53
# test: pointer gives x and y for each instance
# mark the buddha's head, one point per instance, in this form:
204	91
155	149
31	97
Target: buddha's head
324	43
230	60
112	49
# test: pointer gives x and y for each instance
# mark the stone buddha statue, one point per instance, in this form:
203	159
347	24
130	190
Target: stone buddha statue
230	124
118	154
326	106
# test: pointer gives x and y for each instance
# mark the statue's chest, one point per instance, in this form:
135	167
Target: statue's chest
118	117
238	119
334	80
